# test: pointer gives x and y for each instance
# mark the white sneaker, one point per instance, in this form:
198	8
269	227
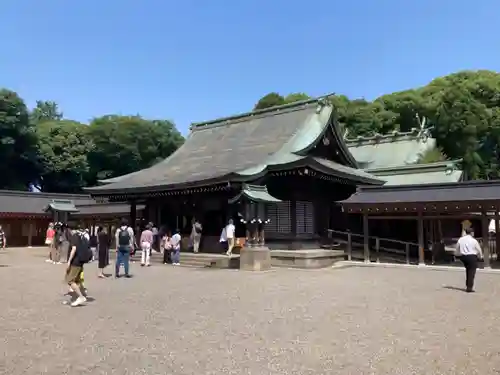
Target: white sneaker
177	264
78	301
48	261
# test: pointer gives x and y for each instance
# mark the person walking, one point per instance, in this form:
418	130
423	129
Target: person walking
3	238
79	255
65	241
57	244
93	246
230	232
146	242
469	252
49	240
124	246
156	237
196	230
175	243
102	251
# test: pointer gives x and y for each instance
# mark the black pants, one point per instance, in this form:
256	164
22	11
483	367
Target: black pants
470	264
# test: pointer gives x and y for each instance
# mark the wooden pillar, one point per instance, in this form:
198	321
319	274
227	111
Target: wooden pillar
421	244
30	233
366	238
295	243
497	234
133	214
486	245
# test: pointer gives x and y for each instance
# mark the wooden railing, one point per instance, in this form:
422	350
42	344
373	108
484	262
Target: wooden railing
392	250
399	251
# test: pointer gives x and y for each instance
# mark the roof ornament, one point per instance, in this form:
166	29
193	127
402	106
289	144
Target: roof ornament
423	131
346	133
321	104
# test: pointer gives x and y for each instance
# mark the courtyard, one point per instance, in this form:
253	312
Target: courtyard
176	320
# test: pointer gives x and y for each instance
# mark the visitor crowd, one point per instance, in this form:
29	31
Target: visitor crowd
78	246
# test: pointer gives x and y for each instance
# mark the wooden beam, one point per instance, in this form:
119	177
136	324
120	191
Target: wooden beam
427	217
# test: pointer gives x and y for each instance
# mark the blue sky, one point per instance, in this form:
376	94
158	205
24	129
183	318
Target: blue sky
196	60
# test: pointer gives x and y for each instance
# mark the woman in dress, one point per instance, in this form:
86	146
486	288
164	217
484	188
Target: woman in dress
103	250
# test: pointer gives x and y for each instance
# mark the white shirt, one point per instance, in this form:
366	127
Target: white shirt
230	228
492	227
223	237
175	241
468	245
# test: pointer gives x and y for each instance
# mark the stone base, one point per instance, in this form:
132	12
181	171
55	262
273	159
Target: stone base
255	259
318	258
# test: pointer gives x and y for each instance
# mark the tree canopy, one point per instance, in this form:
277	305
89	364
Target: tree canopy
462	110
42	148
18	143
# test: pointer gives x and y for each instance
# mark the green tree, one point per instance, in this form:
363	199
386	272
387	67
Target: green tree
63	147
270	100
18	143
125	144
433	155
296	97
461	123
45	111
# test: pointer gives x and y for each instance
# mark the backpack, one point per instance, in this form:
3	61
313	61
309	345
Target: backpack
83	251
123	237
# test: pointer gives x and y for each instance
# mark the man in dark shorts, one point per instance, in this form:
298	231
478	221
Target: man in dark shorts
75	264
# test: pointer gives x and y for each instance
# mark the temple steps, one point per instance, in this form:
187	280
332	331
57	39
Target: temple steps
198	260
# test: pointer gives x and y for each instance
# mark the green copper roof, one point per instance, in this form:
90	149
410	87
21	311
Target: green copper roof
254	193
62	205
419	174
391	150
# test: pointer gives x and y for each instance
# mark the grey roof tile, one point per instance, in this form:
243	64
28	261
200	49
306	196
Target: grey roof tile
472	191
235	148
30	203
390	150
218	149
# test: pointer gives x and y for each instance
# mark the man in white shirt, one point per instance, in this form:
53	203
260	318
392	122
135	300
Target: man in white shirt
230	232
175	242
468	251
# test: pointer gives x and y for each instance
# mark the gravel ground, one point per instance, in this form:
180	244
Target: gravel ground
169	320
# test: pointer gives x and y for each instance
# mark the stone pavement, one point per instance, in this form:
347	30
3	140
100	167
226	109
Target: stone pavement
169	320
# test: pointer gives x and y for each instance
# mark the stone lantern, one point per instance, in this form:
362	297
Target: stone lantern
251	202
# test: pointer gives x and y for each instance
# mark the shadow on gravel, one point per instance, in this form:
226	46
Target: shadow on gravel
454	288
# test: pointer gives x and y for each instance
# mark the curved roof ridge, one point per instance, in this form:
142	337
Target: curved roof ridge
260	112
394	136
